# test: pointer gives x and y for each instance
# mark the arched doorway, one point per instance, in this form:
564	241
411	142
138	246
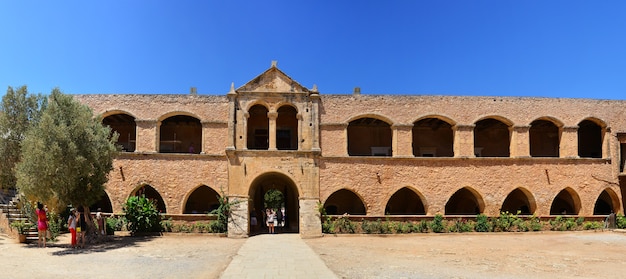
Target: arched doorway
606	203
151	194
405	202
566	202
104	203
201	201
465	201
290	197
519	201
344	201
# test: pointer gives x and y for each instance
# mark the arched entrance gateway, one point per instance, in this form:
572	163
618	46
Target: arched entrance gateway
274	184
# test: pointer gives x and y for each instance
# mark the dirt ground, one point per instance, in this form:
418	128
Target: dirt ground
476	255
471	255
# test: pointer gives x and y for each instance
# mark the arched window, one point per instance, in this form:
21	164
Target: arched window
369	137
151	194
258	128
287	128
344	201
606	203
202	200
566	202
104	203
433	137
589	139
126	127
491	138
544	139
405	202
180	134
519	200
464	202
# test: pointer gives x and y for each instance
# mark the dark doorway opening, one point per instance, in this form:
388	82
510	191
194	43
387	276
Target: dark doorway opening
274	184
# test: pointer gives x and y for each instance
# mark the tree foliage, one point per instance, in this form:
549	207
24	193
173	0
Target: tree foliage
141	215
19	110
67	156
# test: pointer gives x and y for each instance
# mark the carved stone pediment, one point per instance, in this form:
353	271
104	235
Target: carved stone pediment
273	80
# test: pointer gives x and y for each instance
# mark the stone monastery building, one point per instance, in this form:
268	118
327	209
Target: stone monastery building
370	155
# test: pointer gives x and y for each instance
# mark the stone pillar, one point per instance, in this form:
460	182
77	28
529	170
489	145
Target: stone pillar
464	141
147	135
315	124
401	146
520	141
272	115
300	123
606	143
569	142
244	130
310	222
232	118
239	219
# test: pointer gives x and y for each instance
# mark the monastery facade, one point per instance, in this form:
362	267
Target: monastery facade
369	155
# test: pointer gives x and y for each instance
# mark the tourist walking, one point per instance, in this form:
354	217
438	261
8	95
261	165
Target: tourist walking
270	219
42	225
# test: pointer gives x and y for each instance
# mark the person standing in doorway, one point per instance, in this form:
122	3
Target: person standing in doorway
270	220
101	223
42	225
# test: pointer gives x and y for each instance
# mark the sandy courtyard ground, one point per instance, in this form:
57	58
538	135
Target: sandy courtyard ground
472	255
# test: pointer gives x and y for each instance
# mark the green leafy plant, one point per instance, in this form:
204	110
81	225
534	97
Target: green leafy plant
482	223
593	225
141	215
21	226
166	225
344	225
620	221
55	224
223	212
437	225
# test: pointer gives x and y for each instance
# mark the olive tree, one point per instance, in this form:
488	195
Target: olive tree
67	156
19	110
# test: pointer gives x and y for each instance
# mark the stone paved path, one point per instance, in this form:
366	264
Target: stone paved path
276	256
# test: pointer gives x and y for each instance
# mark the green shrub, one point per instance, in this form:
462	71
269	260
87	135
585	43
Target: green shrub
570	224
421	227
166	225
344	225
620	221
593	225
535	223
557	224
437	224
327	226
114	224
402	227
374	227
482	223
141	215
580	221
55	224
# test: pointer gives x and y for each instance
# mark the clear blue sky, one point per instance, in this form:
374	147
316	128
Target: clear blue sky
542	48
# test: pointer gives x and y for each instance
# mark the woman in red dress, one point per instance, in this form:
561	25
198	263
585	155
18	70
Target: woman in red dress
42	224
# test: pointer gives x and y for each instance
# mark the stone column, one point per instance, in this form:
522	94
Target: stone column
315	124
147	135
569	142
464	141
244	130
401	146
239	219
310	222
606	143
272	115
520	141
232	118
300	123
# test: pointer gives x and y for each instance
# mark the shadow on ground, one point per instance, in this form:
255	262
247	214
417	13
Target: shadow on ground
111	243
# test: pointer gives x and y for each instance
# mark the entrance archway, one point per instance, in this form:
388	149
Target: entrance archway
280	182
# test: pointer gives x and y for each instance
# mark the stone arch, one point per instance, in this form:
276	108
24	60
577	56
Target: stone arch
566	202
441	117
344	201
590	138
369	136
258	102
287	127
150	193
286	185
180	133
372	115
124	124
607	203
202	200
258	127
465	201
520	199
545	138
433	137
169	114
104	203
492	137
406	201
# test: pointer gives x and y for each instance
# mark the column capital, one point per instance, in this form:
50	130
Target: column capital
272	115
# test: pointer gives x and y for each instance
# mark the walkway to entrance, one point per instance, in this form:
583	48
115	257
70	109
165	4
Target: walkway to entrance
276	256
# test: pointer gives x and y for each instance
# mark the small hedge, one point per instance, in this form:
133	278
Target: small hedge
506	222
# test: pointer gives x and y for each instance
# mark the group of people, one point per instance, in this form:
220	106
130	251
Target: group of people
274	219
77	224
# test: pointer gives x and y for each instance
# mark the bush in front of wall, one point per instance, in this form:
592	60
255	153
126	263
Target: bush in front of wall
482	223
437	224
